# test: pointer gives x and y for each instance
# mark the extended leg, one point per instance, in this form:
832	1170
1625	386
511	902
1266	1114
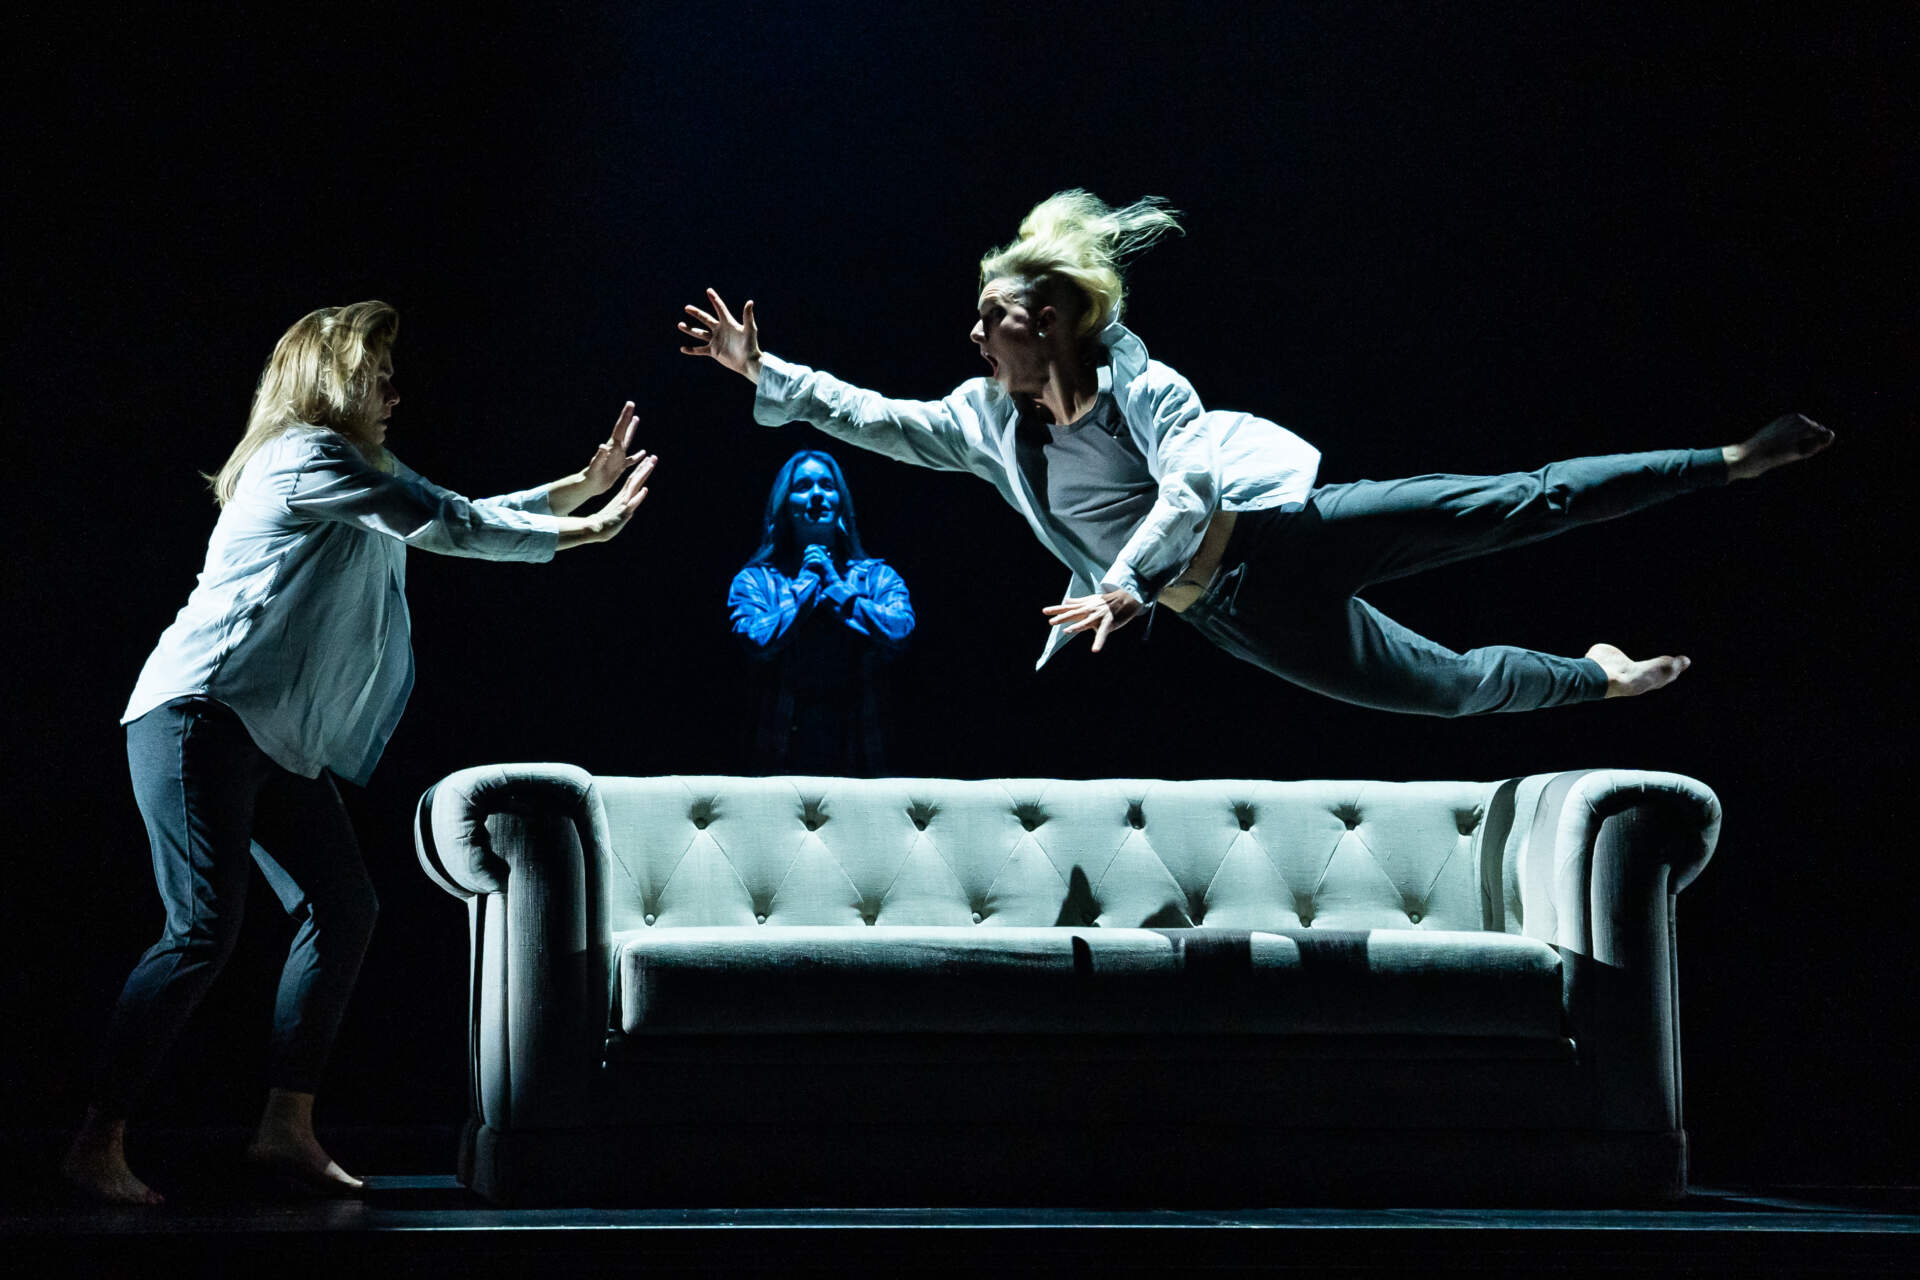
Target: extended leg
1351	651
1372	531
1267	610
1375	530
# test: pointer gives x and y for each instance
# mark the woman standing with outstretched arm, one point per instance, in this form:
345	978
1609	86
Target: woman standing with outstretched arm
288	667
1148	497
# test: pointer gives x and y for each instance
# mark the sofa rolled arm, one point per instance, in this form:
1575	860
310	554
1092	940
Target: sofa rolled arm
450	823
1594	863
526	846
1601	852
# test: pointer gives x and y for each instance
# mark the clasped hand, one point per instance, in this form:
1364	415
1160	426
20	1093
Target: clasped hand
1102	614
819	561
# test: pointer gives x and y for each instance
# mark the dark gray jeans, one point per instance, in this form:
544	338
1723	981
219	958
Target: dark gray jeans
1284	598
215	805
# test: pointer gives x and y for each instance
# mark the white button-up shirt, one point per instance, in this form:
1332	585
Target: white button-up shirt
299	621
1202	460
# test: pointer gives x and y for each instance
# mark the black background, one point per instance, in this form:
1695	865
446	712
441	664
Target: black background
1427	237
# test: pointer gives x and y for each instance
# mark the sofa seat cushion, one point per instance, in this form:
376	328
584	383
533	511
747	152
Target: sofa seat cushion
787	980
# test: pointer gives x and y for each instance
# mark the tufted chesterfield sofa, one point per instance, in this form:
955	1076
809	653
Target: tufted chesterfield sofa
691	990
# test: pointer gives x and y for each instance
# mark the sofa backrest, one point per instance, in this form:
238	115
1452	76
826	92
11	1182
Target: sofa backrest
704	851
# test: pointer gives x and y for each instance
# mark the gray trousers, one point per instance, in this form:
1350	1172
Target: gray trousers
1284	597
215	806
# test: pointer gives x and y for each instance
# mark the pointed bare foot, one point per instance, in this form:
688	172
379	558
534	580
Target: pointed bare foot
301	1161
95	1165
1625	677
1785	439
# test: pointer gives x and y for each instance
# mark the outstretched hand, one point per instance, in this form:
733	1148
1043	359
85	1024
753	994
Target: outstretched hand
734	343
606	523
1103	614
611	459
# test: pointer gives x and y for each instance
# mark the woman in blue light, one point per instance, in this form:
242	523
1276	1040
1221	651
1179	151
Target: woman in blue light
289	667
821	613
1149	498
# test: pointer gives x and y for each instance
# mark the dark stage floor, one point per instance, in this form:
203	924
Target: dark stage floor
220	1221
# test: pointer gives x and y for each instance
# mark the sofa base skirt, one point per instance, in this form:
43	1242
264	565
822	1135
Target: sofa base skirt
1126	1164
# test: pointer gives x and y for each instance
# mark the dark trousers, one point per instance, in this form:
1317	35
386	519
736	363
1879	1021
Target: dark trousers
1285	596
215	805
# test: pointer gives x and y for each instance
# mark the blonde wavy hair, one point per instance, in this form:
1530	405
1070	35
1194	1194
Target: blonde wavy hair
324	372
1076	239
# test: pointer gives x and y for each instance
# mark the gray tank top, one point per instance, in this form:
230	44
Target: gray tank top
1098	485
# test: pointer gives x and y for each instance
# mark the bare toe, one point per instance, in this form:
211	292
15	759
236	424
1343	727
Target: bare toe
1626	678
304	1164
1788	438
106	1181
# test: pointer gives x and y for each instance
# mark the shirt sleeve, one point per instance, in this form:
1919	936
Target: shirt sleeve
532	501
881	609
947	435
1180	453
335	483
763	606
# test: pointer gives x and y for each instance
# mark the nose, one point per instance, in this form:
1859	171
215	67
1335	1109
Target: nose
978	333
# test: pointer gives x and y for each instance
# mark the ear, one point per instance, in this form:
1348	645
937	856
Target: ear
1045	318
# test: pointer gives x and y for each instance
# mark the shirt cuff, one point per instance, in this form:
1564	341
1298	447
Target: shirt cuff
1120	578
775	390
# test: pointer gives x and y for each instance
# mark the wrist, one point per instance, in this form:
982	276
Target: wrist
751	369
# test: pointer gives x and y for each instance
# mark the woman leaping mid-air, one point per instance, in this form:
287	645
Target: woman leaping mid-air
1150	498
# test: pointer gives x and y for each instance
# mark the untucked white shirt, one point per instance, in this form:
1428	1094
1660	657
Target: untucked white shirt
299	620
1201	460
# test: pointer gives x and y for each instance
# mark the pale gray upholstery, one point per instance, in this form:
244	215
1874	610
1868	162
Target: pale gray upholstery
809	988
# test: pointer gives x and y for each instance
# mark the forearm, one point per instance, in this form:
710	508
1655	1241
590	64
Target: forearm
940	434
580	531
568	493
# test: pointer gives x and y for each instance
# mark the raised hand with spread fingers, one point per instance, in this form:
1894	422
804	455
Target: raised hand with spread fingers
734	343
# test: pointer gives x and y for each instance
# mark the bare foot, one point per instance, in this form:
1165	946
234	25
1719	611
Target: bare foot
1785	439
304	1163
1625	677
96	1165
285	1144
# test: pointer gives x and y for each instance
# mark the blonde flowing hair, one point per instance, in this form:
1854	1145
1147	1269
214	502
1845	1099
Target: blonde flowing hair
324	372
1076	239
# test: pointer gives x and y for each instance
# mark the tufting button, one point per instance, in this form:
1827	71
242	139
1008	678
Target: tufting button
1244	812
650	917
1136	818
976	917
1414	916
867	919
759	919
700	823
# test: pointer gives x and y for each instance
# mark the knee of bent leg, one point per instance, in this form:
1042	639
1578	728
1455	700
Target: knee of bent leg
205	941
349	908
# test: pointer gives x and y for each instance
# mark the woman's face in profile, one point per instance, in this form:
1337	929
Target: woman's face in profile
813	501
